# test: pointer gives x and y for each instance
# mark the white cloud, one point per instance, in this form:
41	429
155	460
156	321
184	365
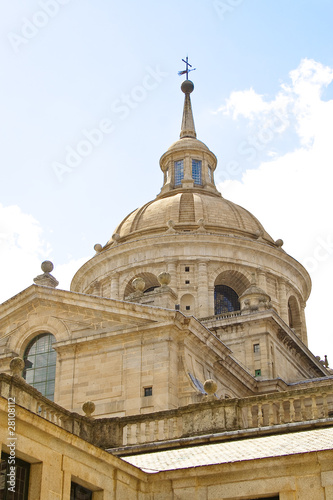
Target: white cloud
297	102
23	247
292	194
244	102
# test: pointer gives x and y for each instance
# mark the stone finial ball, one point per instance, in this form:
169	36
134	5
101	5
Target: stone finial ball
164	278
98	247
138	284
16	365
279	243
210	386
88	407
116	237
47	266
187	86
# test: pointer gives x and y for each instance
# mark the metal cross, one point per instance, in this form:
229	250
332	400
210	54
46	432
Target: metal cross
186	70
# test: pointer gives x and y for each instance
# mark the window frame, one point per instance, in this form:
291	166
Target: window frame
147	391
41	375
178	172
20	465
256	348
77	485
197	172
226	300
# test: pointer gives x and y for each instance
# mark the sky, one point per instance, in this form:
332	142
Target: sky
90	99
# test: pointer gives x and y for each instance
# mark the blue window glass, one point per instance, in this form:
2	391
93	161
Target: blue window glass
226	299
40	364
179	172
210	177
196	171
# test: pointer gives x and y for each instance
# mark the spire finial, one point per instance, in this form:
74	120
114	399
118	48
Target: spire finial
188	128
186	70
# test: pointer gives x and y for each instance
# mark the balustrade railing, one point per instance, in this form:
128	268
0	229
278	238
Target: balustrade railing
226	315
298	406
239	414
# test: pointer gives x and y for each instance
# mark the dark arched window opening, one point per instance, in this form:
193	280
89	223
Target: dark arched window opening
225	299
290	317
40	364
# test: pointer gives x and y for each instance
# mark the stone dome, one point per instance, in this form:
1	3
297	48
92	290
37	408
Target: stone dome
207	247
189	200
188	143
185	211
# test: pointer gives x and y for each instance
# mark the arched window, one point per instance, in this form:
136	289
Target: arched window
290	316
225	299
40	364
294	316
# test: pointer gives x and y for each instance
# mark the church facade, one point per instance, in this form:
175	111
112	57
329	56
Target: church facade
176	366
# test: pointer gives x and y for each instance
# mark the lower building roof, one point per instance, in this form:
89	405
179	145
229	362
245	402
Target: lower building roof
234	451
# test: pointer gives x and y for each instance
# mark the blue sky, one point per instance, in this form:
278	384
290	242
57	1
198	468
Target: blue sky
262	103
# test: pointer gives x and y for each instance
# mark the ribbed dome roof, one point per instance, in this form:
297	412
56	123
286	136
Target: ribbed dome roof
188	143
188	211
189	202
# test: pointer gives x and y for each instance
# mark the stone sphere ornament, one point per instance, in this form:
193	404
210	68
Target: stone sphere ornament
16	365
138	284
187	87
164	278
98	248
47	266
210	387
88	407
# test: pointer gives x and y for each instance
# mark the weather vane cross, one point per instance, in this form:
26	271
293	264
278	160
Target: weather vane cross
187	70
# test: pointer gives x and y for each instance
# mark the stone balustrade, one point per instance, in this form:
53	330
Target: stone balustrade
310	405
227	315
283	408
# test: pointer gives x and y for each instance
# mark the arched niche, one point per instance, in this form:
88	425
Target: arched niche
294	316
187	303
233	279
150	280
228	286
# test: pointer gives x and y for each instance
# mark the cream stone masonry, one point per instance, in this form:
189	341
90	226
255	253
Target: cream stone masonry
190	225
181	349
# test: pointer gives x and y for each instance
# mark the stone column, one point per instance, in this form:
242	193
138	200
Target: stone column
172	270
187	181
283	304
303	323
262	280
115	286
203	293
